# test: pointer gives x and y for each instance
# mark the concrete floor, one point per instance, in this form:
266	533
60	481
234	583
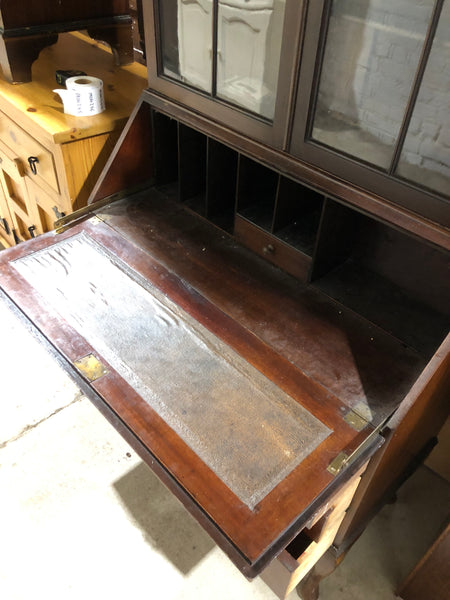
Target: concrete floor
82	517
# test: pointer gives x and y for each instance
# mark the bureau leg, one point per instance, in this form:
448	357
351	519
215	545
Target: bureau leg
119	36
18	54
308	588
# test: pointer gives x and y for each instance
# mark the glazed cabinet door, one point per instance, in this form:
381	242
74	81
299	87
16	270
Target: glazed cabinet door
373	100
231	60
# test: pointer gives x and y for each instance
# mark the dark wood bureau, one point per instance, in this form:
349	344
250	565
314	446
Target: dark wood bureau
271	335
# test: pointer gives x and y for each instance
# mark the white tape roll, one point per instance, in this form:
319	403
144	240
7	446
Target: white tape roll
83	97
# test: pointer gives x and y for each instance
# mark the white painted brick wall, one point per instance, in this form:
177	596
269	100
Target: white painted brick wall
372	53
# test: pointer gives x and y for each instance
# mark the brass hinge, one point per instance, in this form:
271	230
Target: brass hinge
77	216
358	423
338	463
86	212
355	420
343	459
90	367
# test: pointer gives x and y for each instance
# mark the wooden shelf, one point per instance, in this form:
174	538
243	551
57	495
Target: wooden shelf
44	109
271	214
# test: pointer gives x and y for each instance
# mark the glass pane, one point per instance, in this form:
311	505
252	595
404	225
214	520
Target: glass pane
371	56
249	45
186	41
425	158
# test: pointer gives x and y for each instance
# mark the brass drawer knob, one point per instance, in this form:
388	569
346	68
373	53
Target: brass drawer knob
269	249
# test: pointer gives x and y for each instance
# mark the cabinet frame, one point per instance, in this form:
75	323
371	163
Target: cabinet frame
252	125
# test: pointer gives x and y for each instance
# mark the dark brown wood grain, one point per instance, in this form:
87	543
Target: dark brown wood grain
131	163
337	232
18	54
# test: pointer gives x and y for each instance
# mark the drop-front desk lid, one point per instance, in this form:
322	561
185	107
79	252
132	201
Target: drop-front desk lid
148	311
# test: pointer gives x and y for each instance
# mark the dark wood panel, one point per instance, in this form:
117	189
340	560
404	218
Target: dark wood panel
297	215
221	184
192	168
165	149
422	271
29	12
392	279
408	434
337	231
256	193
131	163
388	305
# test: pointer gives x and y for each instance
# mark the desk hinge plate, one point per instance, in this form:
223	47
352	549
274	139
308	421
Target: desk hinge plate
90	367
355	420
338	463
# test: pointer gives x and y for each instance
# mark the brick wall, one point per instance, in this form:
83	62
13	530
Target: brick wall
372	53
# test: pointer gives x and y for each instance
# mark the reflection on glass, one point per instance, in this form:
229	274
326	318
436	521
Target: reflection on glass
371	56
248	54
425	157
186	41
249	36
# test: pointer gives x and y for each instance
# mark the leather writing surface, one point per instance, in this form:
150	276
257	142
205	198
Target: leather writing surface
247	430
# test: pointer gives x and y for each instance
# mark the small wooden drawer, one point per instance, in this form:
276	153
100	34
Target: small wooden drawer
272	248
9	163
297	559
23	219
26	147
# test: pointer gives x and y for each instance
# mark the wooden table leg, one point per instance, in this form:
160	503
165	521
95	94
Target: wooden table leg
308	588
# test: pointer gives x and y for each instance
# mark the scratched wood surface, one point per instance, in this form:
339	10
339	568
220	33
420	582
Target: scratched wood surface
250	536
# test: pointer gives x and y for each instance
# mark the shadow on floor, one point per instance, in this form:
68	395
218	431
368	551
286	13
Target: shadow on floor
393	542
166	524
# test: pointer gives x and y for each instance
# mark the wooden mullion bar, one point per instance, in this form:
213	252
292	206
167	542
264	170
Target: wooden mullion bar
423	61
